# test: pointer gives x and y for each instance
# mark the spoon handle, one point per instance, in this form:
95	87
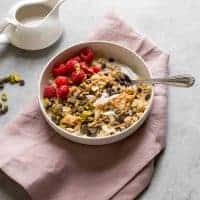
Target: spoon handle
177	81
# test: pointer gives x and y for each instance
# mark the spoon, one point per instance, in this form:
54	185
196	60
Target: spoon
177	81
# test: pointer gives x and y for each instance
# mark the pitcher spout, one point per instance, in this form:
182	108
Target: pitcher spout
54	4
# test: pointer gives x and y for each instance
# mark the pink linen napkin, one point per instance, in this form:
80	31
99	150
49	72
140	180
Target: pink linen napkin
49	167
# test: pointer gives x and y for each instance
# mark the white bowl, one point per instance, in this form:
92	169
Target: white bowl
120	53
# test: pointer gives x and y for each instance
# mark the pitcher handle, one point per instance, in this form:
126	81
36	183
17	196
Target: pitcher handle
3	24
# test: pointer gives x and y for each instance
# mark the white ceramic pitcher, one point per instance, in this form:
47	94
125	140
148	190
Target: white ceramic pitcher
32	25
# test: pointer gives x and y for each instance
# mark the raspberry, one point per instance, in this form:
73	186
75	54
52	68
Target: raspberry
49	91
78	77
61	80
87	54
70	66
77	58
63	91
96	69
85	68
59	70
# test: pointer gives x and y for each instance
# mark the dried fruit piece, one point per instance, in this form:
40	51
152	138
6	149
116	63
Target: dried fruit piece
63	91
111	60
21	82
87	54
147	97
61	80
49	91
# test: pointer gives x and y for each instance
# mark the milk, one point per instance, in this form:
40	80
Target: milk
33	15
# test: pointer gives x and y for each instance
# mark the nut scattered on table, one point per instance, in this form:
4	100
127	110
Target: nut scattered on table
13	78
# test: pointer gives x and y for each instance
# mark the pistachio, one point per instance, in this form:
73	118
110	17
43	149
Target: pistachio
85	114
17	77
4	109
46	102
4	97
11	79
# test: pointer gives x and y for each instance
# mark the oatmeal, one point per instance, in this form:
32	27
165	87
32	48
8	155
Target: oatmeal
93	97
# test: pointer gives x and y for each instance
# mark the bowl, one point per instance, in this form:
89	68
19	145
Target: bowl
120	53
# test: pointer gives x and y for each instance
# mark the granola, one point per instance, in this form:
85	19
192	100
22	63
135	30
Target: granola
103	103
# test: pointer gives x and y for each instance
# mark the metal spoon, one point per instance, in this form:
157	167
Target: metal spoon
177	81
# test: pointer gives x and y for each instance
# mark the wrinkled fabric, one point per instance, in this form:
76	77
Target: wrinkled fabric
50	167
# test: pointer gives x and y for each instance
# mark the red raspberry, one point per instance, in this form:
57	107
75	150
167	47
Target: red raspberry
96	69
61	80
49	91
86	69
63	91
78	77
87	54
59	70
70	66
77	58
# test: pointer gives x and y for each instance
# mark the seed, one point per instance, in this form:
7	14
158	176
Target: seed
139	90
111	60
4	97
21	82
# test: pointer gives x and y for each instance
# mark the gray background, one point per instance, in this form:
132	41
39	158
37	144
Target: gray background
174	25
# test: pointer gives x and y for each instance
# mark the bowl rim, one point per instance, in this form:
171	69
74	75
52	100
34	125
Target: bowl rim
59	129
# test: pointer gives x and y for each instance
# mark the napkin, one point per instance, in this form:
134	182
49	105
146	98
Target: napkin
50	167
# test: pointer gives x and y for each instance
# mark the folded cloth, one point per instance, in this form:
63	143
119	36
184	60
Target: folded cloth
49	167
